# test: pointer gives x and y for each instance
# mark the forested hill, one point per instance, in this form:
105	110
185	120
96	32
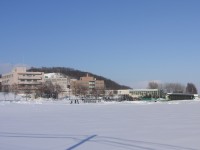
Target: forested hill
72	73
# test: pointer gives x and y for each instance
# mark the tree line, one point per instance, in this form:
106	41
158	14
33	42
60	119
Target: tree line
190	88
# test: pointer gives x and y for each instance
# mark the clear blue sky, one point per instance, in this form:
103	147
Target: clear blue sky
129	41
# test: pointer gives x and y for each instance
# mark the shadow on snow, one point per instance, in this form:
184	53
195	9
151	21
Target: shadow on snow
104	140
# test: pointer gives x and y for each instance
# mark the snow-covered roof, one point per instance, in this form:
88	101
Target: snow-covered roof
53	75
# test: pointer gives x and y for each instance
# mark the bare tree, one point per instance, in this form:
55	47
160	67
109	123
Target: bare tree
5	90
27	90
57	90
191	89
100	91
174	88
83	91
14	89
93	92
49	90
77	90
73	86
40	90
153	85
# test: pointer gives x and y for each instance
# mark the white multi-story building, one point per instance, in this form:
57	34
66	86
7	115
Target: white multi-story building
137	93
123	92
22	79
61	80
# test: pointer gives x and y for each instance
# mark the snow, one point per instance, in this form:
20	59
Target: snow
53	75
58	125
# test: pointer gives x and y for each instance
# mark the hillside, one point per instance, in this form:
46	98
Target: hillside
72	73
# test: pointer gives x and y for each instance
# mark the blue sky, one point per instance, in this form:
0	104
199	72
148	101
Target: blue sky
129	41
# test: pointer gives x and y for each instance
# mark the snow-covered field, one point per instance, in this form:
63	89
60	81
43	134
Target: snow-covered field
50	125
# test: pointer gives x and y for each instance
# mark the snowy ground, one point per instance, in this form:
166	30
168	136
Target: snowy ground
50	125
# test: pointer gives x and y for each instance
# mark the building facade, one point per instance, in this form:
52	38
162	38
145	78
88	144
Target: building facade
61	80
22	80
87	85
146	93
123	92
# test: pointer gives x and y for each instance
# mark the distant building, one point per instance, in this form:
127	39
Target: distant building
180	96
61	80
123	92
23	80
110	93
146	93
87	85
73	85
